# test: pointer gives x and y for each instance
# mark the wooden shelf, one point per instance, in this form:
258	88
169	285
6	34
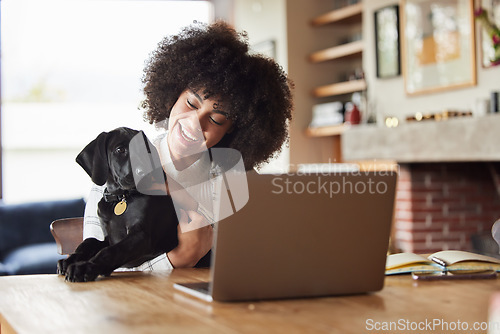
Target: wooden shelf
333	130
343	15
345	22
344	50
340	88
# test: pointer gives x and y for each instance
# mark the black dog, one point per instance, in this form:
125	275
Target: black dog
138	227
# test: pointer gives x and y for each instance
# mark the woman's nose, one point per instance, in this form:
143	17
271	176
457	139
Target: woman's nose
193	120
198	122
202	119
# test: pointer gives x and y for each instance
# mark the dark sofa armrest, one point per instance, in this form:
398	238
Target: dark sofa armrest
29	223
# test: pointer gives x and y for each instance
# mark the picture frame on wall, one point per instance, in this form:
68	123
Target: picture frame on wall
487	49
266	48
387	42
438	45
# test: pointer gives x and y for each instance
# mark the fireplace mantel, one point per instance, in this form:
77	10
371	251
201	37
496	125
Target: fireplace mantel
454	140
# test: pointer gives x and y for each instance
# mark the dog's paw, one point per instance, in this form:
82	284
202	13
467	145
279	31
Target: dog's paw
81	272
62	265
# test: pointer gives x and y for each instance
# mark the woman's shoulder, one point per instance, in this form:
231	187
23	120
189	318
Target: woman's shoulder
158	139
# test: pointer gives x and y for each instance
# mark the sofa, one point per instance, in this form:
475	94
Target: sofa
26	243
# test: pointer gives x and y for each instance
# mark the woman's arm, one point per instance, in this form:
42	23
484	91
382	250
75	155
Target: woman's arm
92	227
195	243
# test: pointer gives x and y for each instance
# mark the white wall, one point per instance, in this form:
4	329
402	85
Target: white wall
388	95
265	20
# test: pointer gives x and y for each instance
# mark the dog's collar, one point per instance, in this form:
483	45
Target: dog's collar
109	197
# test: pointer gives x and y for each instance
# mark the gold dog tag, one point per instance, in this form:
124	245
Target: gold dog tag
120	207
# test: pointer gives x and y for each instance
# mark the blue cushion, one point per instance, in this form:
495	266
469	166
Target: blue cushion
3	270
33	259
29	223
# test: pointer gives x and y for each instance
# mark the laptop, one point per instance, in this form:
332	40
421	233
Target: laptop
299	236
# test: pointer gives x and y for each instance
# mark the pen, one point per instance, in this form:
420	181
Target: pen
438	261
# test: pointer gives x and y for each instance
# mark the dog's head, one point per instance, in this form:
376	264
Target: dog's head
122	158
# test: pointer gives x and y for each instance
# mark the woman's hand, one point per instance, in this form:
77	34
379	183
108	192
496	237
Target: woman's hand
193	245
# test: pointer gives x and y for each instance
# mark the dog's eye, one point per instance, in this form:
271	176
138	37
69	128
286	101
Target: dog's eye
120	150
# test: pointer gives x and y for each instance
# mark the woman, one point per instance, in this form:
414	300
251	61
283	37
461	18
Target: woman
211	92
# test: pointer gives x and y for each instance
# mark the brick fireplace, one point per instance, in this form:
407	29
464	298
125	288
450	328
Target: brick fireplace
446	205
449	182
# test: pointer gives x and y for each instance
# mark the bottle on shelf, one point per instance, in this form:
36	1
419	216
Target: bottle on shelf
352	114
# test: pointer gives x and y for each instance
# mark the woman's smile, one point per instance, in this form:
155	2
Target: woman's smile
189	139
188	133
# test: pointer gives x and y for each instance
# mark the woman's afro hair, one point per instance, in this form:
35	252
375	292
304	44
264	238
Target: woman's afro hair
215	60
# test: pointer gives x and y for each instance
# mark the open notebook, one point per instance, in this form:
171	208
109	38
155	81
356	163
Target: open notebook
449	260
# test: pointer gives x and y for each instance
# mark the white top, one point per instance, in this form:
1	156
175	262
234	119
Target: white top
200	180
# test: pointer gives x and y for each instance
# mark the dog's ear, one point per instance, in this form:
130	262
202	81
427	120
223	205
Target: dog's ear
93	159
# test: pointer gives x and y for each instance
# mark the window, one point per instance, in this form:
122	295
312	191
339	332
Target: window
70	70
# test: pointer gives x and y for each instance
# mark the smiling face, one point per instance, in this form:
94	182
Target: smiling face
195	125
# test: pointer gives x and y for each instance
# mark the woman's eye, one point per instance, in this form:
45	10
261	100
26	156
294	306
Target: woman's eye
192	106
215	121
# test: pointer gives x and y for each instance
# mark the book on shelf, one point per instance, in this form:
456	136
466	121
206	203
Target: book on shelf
449	260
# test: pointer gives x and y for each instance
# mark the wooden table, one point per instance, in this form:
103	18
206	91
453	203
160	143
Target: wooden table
147	303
